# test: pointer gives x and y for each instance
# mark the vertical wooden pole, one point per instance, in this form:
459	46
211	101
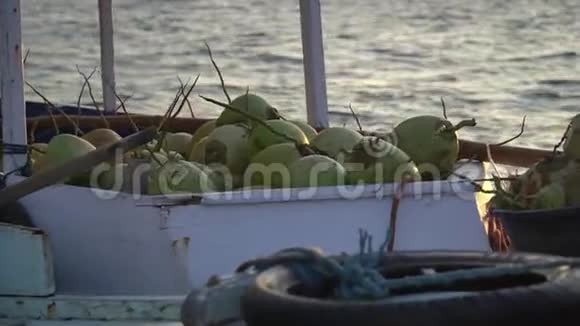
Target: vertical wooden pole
107	54
13	105
314	74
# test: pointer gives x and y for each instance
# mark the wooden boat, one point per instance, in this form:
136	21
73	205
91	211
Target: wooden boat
157	249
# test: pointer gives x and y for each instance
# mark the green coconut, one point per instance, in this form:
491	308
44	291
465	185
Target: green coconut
572	143
174	156
38	150
269	168
250	103
553	180
316	171
375	161
336	140
65	147
228	146
218	179
101	137
179	142
306	129
431	142
261	137
197	153
179	177
203	131
564	171
143	151
552	196
111	177
157	159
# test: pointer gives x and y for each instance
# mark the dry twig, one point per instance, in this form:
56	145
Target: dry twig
514	137
82	93
355	117
186	99
444	108
52	106
219	73
133	124
25	57
93	97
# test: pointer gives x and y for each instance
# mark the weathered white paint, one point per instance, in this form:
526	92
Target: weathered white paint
26	261
13	107
99	308
154	245
313	56
107	54
106	247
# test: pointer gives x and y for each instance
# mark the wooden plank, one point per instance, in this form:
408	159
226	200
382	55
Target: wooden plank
119	122
73	167
13	107
508	155
107	54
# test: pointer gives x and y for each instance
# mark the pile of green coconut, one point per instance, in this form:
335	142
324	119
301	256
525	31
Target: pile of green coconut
551	183
251	145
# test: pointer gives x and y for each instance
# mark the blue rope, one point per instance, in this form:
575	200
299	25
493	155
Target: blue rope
359	278
14	149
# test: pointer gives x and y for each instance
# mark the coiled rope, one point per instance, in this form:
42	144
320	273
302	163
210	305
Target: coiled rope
359	278
358	275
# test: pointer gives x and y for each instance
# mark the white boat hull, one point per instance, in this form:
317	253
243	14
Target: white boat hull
158	245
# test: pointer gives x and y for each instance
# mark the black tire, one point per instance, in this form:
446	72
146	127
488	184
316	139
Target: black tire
548	298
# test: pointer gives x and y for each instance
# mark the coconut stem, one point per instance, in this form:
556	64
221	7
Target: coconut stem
169	110
523	127
464	123
444	108
499	191
25	57
166	116
562	140
82	92
169	115
93	97
187	99
360	128
133	124
219	73
52	106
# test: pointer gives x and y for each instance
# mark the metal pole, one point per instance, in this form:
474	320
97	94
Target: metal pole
107	54
13	105
314	74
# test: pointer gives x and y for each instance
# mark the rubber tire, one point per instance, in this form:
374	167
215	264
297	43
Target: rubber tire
556	301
